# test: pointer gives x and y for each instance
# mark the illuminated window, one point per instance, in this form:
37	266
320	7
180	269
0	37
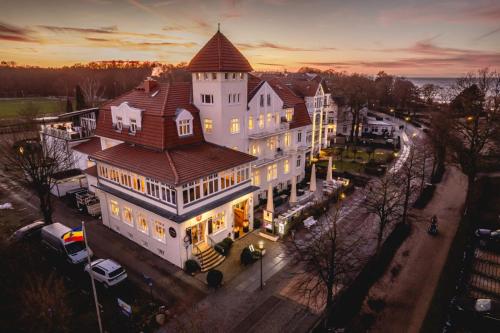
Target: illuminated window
184	127
261	121
142	224
198	76
216	223
210	184
127	215
138	183
250	122
269	119
115	208
288	139
286	167
272	172
277	118
191	191
271	143
256	178
255	149
208	126
159	231
289	114
234	126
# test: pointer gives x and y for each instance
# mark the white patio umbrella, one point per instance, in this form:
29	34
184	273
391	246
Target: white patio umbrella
312	185
270	204
293	192
329	173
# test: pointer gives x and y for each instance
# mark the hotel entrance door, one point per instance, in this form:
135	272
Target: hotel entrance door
198	233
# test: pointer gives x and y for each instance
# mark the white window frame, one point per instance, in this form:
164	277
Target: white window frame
234	126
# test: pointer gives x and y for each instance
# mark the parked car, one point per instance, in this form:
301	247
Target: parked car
107	271
74	251
28	231
480	313
489	239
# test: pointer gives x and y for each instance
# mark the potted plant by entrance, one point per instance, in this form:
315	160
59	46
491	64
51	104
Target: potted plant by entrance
245	226
214	278
236	231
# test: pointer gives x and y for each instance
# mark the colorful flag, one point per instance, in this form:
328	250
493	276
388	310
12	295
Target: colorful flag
75	235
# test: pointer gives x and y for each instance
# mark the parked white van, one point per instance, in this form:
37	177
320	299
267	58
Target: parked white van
52	236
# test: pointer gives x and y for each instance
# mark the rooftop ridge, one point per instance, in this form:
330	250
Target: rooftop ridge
172	165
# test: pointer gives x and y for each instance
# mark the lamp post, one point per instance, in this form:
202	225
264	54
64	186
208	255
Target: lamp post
261	248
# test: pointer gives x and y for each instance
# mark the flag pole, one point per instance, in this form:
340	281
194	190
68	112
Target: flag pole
92	278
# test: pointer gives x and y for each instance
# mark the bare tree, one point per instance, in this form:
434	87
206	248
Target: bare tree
92	90
325	259
384	201
439	139
475	128
35	163
407	176
45	305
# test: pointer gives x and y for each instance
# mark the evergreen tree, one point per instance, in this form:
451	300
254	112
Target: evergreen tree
79	99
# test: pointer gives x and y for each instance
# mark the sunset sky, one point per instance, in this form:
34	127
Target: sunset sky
413	38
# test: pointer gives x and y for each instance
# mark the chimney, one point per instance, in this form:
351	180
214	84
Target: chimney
149	85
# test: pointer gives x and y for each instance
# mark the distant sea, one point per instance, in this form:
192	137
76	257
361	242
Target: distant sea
444	82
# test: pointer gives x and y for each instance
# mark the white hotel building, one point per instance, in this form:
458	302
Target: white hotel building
180	165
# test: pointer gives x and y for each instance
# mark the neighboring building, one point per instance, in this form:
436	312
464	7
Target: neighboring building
72	131
318	100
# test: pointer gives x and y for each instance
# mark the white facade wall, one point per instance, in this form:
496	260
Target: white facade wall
170	248
221	112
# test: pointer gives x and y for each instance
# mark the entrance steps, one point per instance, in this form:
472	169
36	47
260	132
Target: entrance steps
209	258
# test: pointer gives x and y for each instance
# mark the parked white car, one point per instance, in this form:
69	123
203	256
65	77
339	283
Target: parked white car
107	271
28	231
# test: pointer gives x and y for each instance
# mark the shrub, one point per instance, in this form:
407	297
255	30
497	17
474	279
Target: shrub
246	256
191	266
224	246
214	278
256	223
376	304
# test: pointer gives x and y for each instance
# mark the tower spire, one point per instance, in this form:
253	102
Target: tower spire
218	27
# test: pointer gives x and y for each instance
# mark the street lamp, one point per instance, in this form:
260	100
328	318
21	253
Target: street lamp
261	249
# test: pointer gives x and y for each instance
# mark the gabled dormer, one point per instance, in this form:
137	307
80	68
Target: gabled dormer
126	118
184	122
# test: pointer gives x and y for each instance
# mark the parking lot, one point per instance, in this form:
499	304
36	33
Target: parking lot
169	286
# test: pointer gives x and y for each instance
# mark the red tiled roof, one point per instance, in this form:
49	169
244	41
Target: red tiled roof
89	147
92	171
253	86
219	55
291	100
174	166
300	116
158	119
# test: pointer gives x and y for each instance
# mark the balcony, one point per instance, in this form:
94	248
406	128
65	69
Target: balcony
68	133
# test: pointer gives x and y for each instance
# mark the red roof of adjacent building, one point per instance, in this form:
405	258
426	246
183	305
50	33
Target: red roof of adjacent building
89	147
219	55
176	165
92	171
159	107
291	100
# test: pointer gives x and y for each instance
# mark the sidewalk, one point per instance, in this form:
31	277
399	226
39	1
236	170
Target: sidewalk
408	295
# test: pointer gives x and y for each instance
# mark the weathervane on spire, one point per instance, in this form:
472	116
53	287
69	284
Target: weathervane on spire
218	27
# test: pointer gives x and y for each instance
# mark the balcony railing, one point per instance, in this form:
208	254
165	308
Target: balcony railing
74	133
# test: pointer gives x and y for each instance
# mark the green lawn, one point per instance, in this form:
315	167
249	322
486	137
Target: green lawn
12	107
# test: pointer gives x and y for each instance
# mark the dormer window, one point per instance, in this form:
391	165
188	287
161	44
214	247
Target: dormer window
184	122
234	76
289	114
133	126
185	128
241	76
119	123
226	76
214	76
205	76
